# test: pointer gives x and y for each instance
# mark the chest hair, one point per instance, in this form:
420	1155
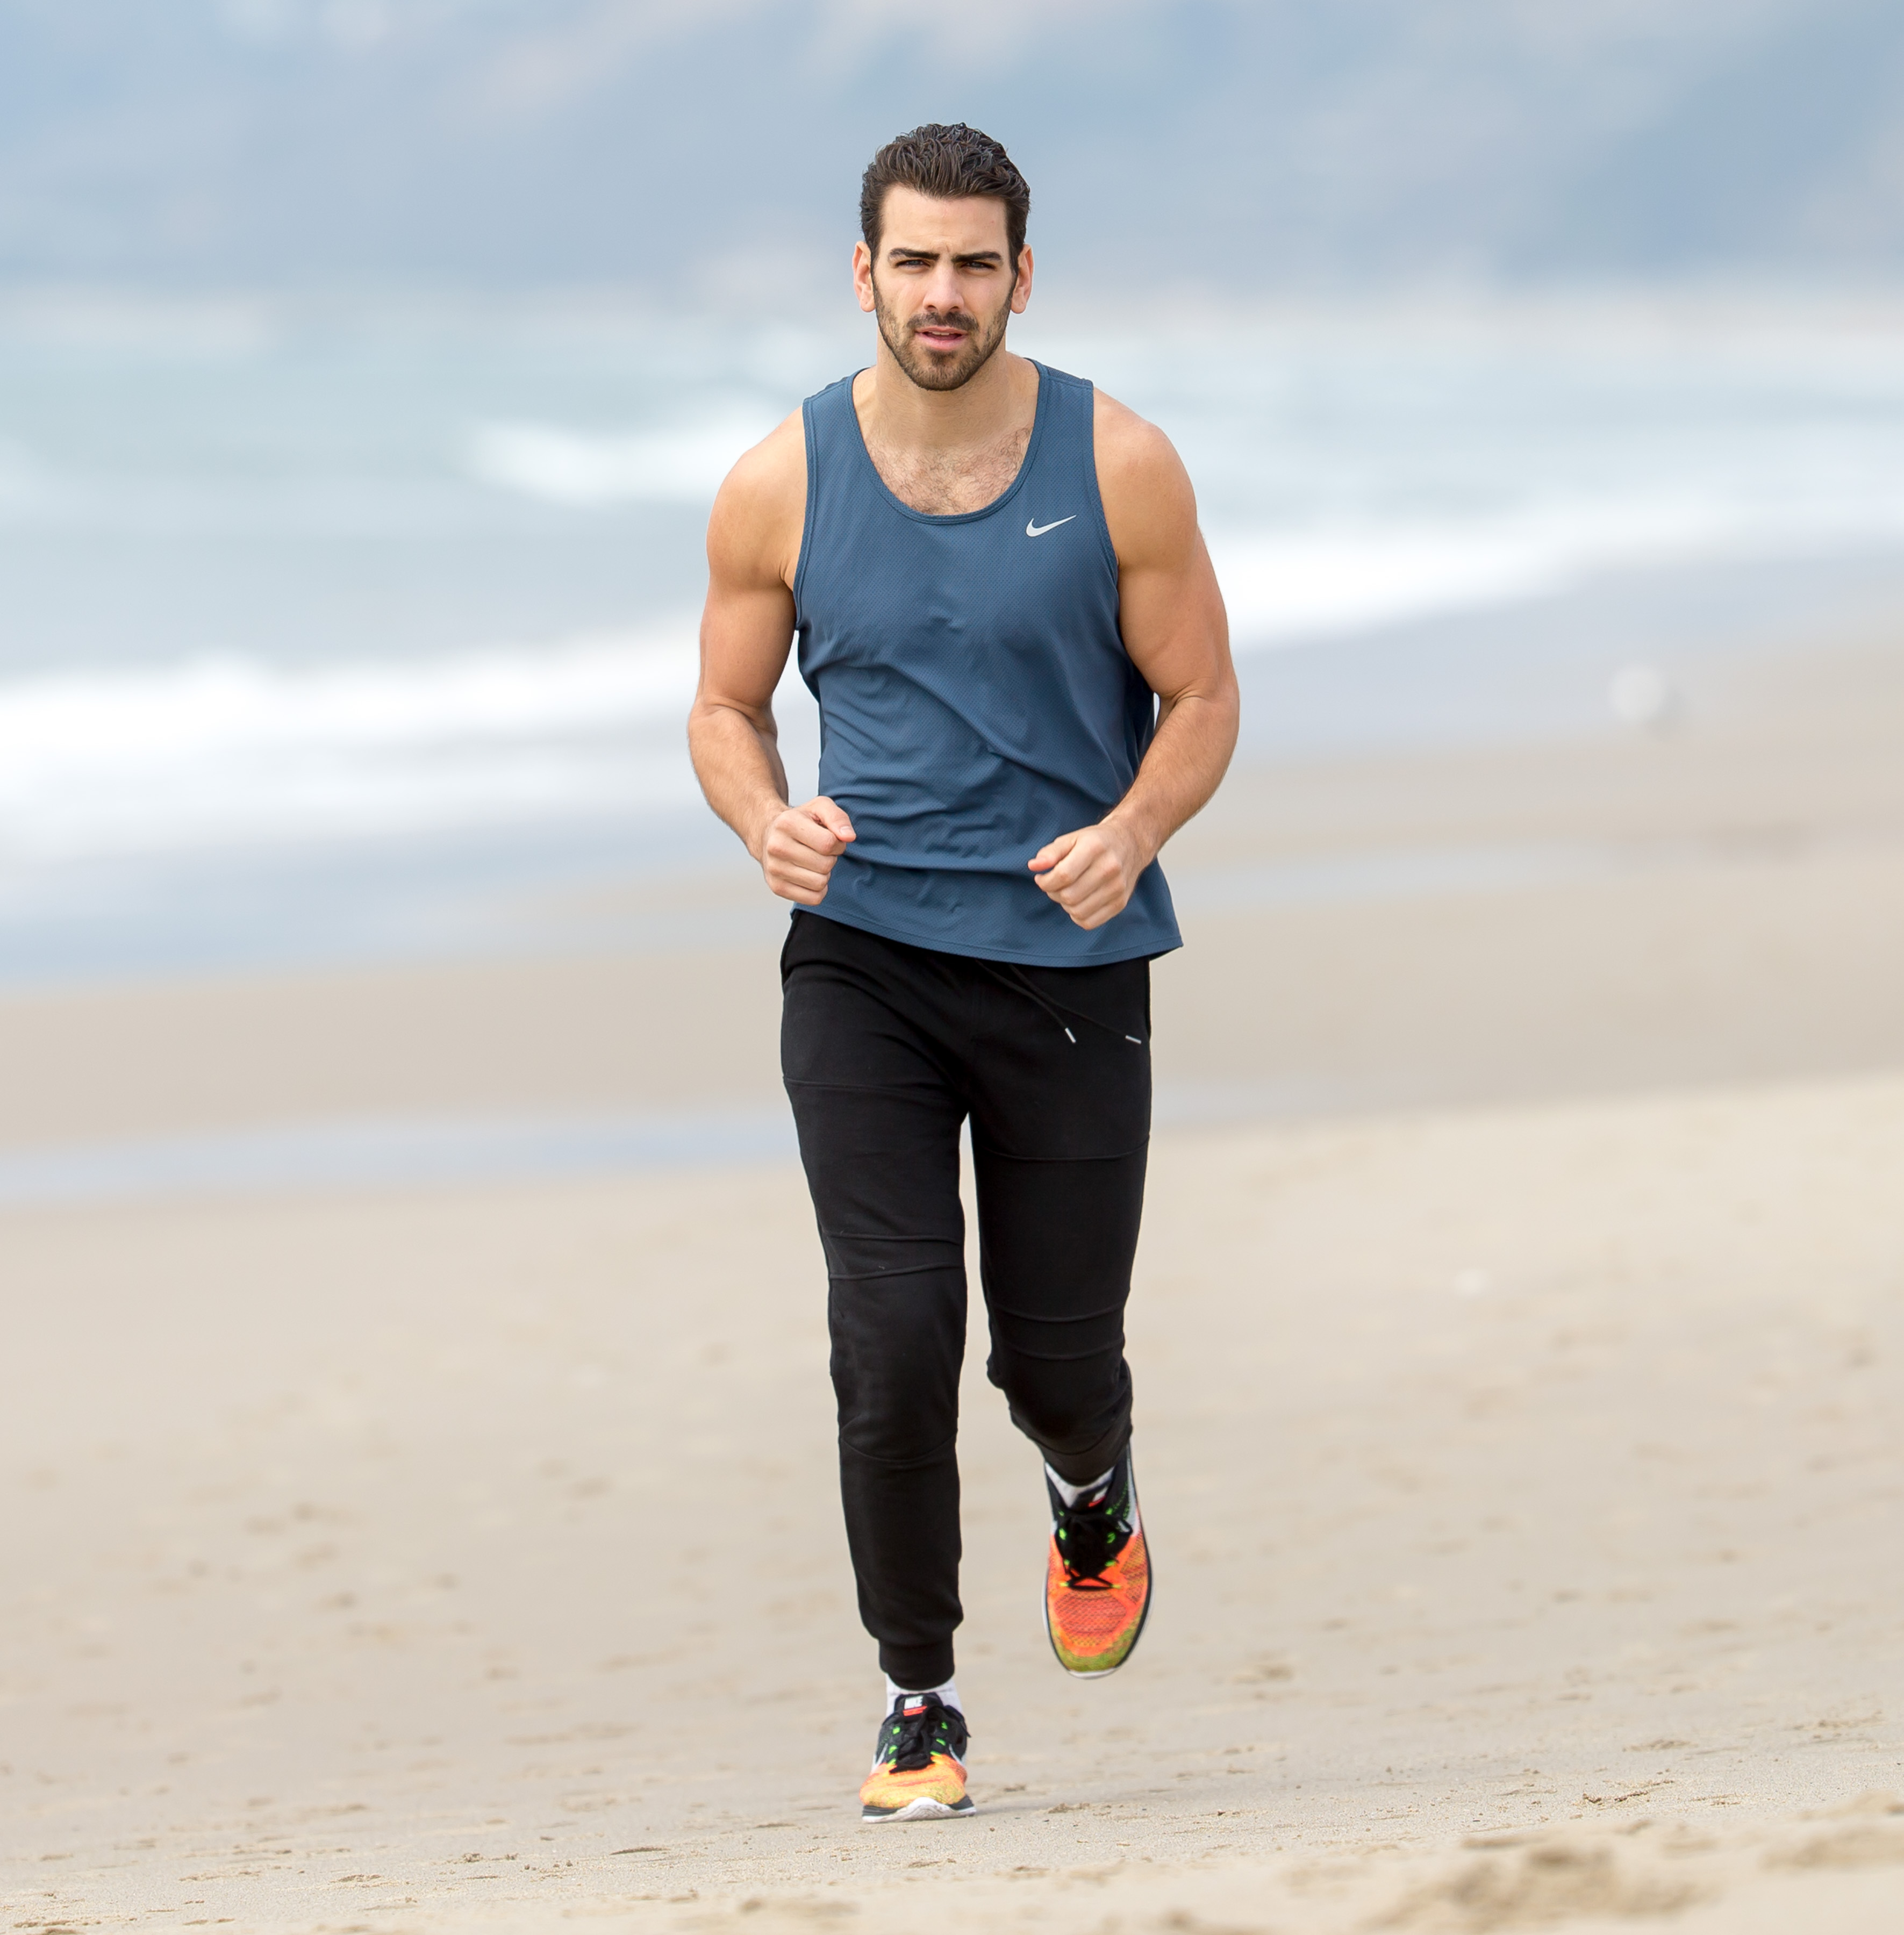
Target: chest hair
945	484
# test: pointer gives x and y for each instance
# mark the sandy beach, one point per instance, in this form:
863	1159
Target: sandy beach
1519	1347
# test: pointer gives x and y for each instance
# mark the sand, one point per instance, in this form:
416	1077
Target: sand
1525	1479
1519	1340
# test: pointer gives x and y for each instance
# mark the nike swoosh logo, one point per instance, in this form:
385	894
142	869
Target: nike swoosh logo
1036	530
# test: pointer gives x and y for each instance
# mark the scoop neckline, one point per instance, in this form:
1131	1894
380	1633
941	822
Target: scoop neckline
998	503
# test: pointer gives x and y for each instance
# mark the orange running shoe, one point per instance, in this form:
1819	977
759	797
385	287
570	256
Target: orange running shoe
917	1768
1097	1584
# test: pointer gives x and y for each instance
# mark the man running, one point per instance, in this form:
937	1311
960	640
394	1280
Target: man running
1007	614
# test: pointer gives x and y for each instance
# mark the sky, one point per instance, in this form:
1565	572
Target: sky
709	152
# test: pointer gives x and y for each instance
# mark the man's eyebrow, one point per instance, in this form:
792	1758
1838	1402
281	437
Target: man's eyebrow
899	253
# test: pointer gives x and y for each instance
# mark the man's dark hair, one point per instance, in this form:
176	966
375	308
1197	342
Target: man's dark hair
948	162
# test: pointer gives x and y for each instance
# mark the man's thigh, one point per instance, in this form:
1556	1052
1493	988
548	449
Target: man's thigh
1061	1122
1059	1063
878	1121
874	1100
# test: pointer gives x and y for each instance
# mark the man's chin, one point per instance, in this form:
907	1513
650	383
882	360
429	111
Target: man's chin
940	379
944	369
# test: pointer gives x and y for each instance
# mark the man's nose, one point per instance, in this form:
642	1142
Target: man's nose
942	292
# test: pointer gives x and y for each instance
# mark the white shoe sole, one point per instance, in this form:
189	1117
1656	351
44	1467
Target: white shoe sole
923	1809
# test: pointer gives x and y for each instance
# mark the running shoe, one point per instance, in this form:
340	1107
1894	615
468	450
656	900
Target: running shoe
1097	1584
917	1769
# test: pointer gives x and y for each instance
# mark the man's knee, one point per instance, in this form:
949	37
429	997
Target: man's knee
882	1427
898	1345
1069	1406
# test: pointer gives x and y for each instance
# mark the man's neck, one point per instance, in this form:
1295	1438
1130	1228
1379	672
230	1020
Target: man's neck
897	415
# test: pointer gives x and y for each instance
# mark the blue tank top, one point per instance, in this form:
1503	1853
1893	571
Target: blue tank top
975	698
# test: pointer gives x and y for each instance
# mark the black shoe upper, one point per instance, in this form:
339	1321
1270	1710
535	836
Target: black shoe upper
919	1726
1092	1532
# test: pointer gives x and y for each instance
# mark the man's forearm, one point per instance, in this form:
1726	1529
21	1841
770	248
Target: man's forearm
1185	764
738	765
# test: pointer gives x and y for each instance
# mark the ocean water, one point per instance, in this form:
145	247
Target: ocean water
346	631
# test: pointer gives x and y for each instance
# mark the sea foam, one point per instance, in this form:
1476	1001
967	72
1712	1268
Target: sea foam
232	751
584	469
1298	585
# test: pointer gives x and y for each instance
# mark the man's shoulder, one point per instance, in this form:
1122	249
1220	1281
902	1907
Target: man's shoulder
1148	503
1128	442
764	478
761	506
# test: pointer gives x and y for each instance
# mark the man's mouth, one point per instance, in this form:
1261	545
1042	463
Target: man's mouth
939	336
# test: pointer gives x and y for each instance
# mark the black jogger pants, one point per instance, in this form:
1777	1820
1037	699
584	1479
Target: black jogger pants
886	1049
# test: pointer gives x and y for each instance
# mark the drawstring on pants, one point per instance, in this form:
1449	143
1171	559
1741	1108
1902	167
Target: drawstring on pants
1014	977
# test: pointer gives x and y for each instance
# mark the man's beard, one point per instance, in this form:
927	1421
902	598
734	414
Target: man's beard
933	369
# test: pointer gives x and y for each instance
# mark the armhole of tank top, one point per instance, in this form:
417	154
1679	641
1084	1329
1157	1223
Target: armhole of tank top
812	495
1091	468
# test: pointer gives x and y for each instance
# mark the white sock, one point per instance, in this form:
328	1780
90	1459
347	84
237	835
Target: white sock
949	1693
1071	1494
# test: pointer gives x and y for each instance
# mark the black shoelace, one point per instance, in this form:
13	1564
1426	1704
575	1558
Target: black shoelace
1089	1537
913	1736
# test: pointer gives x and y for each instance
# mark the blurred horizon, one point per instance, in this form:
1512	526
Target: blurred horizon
709	157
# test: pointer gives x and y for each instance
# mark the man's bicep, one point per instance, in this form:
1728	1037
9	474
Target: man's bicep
746	633
1169	608
1175	628
748	624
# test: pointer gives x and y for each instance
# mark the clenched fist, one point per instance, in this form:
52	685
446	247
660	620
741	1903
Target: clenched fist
798	847
1091	874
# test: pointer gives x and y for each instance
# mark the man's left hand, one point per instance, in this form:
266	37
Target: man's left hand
1091	873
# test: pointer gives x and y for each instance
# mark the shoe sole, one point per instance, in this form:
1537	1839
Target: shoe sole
924	1809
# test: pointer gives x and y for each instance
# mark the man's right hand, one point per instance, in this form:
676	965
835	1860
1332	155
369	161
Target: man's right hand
799	847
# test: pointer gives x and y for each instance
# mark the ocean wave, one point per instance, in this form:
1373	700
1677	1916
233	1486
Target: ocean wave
237	752
586	469
232	751
1290	586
